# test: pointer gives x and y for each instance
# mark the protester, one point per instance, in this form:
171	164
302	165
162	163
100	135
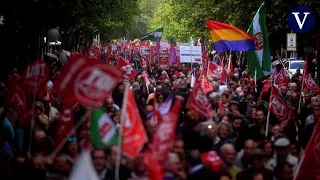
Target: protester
217	127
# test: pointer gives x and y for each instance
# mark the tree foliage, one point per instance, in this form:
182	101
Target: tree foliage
182	19
110	18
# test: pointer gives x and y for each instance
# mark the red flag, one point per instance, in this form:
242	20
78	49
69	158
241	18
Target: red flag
279	107
199	103
152	165
204	59
282	79
126	67
163	139
308	82
15	97
66	122
310	162
163	62
212	160
217	72
134	136
205	84
36	75
86	81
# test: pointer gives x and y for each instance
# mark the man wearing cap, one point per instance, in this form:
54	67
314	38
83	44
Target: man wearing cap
282	149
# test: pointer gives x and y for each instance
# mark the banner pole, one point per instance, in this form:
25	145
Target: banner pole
122	119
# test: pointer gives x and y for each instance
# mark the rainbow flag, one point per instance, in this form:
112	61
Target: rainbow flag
227	37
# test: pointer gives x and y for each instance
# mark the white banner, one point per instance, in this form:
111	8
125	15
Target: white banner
190	54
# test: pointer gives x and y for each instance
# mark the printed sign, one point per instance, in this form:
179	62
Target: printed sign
190	54
291	42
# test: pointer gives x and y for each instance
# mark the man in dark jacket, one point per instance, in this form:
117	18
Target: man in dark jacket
197	170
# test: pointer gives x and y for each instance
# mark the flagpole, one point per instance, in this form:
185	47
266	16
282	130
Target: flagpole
122	118
299	106
33	118
268	117
267	125
74	129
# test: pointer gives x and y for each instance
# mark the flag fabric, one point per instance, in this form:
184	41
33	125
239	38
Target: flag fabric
216	71
152	165
163	139
212	160
308	82
204	59
126	67
259	61
281	79
279	107
226	37
36	77
83	169
173	54
87	81
102	129
66	122
153	36
164	108
206	86
134	136
199	103
309	167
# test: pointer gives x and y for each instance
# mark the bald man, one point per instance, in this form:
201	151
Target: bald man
242	160
228	155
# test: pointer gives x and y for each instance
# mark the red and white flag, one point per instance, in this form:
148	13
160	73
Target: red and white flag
308	82
217	72
279	107
86	81
199	103
309	167
66	122
205	84
126	67
163	139
134	136
230	68
36	77
282	79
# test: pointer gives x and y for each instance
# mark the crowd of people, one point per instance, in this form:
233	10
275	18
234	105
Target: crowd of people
236	133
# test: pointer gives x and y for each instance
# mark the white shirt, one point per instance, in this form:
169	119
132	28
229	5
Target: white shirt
290	159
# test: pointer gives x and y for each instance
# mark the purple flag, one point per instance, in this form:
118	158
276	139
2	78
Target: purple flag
158	46
173	54
275	72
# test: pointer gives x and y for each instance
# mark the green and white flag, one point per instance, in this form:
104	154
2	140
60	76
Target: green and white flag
102	129
259	61
152	36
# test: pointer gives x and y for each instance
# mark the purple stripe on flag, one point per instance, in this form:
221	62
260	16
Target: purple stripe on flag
238	45
173	54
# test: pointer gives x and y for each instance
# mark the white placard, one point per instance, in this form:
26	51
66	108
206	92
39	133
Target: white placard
190	54
164	44
291	42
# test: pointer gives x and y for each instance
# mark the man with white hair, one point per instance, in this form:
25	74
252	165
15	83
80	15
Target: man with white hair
228	155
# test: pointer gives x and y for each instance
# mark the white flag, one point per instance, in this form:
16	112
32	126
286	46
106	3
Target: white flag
83	169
